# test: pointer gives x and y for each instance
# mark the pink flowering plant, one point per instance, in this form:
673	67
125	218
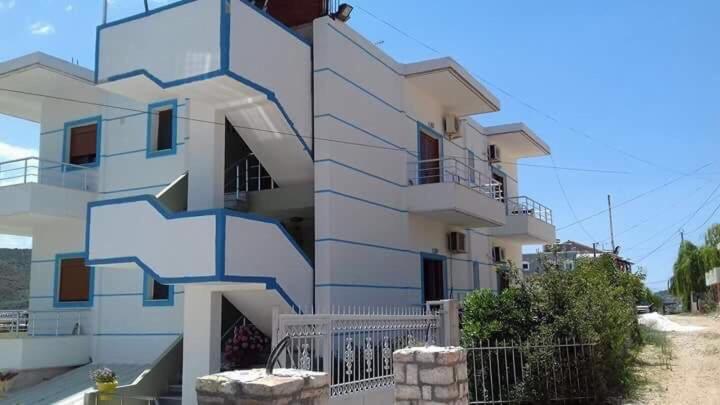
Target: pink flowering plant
246	348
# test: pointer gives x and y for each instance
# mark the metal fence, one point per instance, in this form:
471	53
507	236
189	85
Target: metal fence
520	372
59	174
354	345
527	206
43	323
453	170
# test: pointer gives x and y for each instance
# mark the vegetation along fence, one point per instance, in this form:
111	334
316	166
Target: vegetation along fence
354	345
521	372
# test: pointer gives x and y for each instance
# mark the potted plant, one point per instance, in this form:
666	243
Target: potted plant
105	381
6	379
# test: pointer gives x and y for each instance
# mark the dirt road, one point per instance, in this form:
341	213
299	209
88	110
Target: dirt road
693	376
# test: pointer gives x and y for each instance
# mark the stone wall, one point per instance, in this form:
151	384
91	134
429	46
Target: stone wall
255	387
432	374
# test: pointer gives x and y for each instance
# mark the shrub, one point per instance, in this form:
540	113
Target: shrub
103	375
595	303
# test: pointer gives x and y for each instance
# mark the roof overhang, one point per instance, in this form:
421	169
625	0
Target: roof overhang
516	140
39	73
449	83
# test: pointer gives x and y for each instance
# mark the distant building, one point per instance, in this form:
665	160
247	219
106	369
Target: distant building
565	255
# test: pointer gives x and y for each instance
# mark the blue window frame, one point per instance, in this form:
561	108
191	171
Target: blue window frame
67	140
162	129
156	294
67	295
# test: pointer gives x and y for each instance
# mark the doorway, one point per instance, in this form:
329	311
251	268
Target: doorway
429	158
433	273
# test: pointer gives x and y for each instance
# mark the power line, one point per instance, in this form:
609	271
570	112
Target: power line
675	180
522	102
135	110
567	201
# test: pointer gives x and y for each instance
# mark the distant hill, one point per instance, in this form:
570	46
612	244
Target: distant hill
14	278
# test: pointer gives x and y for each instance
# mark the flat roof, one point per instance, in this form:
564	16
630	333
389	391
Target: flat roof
39	73
452	85
517	139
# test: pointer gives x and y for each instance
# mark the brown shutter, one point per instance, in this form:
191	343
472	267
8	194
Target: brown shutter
74	280
83	141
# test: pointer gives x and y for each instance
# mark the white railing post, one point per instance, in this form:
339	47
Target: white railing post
25	172
57	323
237	182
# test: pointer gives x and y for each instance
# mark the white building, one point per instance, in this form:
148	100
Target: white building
146	208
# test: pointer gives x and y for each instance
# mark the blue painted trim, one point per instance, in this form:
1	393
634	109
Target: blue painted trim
54	131
145	14
219	274
366	132
37	297
366	51
327	191
389	287
119	295
138	114
359	87
436	257
56	283
347	166
97	120
371	245
129	152
150	153
224	69
148	301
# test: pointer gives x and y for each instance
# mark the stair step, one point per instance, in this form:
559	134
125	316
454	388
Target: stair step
175	388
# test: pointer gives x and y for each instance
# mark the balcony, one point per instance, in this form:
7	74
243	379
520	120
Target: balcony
38	192
31	340
451	191
528	222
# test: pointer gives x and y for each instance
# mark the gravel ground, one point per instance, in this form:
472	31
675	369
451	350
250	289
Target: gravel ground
694	374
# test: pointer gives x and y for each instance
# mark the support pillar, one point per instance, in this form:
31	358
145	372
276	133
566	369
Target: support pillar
202	354
205	157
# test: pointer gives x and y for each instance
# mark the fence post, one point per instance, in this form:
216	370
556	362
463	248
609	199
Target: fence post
449	315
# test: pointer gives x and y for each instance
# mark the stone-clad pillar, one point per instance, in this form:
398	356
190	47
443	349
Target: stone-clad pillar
255	387
436	375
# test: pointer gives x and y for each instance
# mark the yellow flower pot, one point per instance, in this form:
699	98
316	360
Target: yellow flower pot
106	389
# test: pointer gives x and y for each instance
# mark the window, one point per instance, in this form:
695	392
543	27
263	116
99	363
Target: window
82	142
162	128
476	275
156	293
433	278
526	266
73	281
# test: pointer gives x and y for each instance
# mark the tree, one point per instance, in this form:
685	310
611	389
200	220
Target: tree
689	271
712	236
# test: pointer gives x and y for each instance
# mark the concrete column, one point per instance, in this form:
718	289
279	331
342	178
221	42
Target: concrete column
205	156
202	353
255	387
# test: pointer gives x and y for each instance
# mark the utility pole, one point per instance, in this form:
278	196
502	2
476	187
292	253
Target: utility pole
594	249
682	237
612	234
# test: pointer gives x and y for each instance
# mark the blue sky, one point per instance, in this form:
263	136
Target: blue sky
612	85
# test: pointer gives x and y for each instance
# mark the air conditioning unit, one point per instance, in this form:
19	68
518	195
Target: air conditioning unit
456	242
493	153
498	254
452	126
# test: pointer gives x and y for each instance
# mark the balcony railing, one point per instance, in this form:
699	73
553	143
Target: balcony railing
452	170
43	323
35	170
527	206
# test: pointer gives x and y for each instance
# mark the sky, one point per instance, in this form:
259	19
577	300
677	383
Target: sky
628	87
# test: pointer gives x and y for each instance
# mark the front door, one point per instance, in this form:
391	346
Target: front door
429	156
433	280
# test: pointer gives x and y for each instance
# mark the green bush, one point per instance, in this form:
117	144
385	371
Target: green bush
595	303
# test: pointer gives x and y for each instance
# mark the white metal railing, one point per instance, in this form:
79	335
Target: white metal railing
35	170
527	206
504	372
453	170
43	323
354	345
246	175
